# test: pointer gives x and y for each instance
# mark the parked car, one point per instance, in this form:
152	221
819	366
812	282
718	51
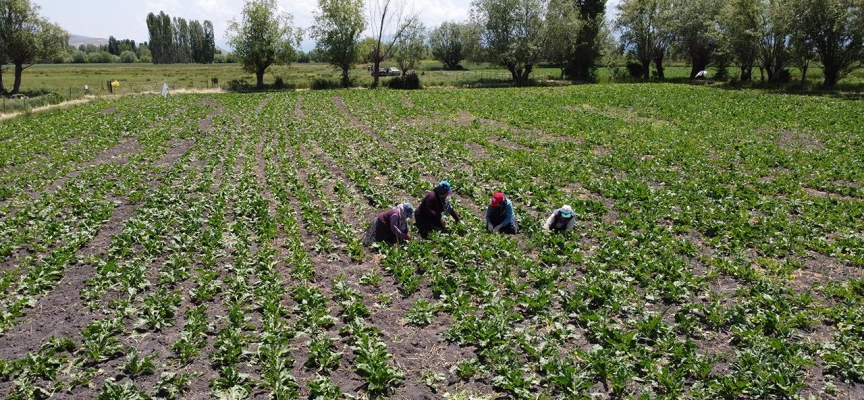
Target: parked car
389	72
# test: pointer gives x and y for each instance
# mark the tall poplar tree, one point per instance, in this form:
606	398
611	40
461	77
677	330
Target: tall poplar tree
582	63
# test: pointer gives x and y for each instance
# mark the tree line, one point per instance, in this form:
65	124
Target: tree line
176	41
768	36
515	34
765	35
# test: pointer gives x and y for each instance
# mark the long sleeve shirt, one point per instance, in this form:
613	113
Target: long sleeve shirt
501	215
391	225
555	221
432	208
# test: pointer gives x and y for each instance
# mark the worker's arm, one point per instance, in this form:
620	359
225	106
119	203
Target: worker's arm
548	223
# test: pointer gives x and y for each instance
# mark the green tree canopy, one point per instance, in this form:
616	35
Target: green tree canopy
447	44
642	27
161	38
26	38
582	62
337	29
835	29
563	23
740	23
514	33
697	35
411	47
263	37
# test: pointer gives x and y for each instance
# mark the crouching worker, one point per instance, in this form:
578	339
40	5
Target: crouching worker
499	215
561	220
390	226
432	210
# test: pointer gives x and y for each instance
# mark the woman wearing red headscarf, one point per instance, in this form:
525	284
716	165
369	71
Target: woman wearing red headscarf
499	215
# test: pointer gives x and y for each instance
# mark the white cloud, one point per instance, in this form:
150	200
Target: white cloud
448	10
213	7
170	7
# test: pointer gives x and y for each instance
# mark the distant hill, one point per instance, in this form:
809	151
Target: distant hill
77	40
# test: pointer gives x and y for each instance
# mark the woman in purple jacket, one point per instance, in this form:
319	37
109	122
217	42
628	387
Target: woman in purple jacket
390	226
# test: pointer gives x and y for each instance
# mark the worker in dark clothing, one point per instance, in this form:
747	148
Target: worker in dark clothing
433	208
390	226
499	215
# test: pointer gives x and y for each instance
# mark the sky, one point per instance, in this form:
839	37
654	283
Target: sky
126	19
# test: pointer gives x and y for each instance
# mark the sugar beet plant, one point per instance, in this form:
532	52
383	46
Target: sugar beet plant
215	242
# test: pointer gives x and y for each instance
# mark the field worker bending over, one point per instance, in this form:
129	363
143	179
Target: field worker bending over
390	226
561	220
432	210
499	215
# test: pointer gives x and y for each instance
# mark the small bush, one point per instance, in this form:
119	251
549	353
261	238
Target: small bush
280	84
408	81
238	84
325	84
128	57
102	57
635	70
79	57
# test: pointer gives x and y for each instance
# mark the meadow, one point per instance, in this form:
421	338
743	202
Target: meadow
209	245
51	84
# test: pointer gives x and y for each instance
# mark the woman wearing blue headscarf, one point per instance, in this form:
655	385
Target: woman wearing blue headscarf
432	209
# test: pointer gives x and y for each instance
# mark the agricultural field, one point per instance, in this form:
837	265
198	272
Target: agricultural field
209	246
138	78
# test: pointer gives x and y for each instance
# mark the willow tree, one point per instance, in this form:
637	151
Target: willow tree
263	37
514	32
588	42
741	26
26	38
447	44
697	34
642	26
411	47
835	30
337	29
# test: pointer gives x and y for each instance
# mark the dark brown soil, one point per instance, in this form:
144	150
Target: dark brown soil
406	102
800	141
176	149
828	195
118	154
356	122
61	313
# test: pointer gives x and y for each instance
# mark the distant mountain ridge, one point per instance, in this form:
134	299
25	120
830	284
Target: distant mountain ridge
77	40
